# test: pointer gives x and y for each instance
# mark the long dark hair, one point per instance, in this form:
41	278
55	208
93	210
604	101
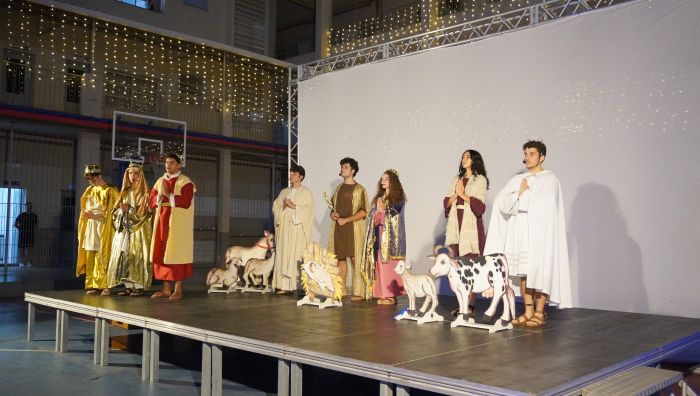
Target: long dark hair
396	194
478	167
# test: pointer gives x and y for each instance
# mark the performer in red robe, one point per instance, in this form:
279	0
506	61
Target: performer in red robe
172	246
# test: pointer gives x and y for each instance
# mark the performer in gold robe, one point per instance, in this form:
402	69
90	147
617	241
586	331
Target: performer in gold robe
95	231
172	245
294	216
130	263
347	231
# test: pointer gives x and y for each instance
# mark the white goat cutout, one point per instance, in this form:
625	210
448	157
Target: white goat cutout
418	286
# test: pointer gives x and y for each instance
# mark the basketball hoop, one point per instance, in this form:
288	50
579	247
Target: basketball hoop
154	158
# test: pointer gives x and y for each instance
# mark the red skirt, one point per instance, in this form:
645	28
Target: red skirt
162	271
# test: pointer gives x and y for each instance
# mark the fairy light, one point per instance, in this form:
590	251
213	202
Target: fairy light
137	65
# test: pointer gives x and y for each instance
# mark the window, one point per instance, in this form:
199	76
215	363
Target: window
191	89
124	91
74	77
155	5
201	4
15	71
145	4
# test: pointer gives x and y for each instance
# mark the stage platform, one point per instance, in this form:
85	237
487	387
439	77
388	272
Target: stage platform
576	348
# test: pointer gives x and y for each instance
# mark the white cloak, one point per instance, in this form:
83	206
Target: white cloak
530	230
292	234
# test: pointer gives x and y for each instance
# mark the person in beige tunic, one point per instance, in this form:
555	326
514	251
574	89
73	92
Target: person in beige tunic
294	217
347	232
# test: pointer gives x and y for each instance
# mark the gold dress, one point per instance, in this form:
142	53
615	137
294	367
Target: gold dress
95	235
130	260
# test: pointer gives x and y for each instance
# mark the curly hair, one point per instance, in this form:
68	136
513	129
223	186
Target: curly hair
396	194
478	167
352	162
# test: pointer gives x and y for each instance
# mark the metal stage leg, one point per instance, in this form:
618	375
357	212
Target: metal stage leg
402	390
31	315
283	368
296	378
58	331
216	370
386	389
206	369
155	355
146	355
104	343
65	331
97	347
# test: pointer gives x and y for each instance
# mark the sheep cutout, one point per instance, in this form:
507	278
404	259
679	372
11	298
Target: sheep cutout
224	280
418	286
245	253
483	274
258	268
319	278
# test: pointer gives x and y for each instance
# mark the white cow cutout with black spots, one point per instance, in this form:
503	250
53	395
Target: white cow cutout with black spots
478	275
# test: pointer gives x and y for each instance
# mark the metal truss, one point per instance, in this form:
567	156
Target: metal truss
452	35
293	118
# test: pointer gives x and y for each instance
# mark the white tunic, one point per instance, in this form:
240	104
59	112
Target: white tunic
292	234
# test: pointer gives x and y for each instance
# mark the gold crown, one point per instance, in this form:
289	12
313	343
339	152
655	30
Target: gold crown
134	165
92	169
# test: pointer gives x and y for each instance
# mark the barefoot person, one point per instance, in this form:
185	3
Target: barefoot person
528	227
347	231
293	211
172	245
385	243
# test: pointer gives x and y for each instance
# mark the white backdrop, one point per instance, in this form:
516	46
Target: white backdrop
613	93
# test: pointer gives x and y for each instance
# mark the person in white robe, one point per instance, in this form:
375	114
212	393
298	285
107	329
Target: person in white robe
527	225
293	215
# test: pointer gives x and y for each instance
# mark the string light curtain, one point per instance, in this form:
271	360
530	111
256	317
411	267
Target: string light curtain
142	71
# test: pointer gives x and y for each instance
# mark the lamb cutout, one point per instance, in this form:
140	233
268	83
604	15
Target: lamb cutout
258	268
224	280
418	286
481	274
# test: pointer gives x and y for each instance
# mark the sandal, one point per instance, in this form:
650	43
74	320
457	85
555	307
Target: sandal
522	319
537	320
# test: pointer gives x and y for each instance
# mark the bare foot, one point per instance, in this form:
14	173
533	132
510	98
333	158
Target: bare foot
92	292
160	294
356	298
487	293
175	297
106	292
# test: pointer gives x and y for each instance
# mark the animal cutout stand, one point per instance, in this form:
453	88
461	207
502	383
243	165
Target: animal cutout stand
486	275
418	286
320	279
258	268
224	280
